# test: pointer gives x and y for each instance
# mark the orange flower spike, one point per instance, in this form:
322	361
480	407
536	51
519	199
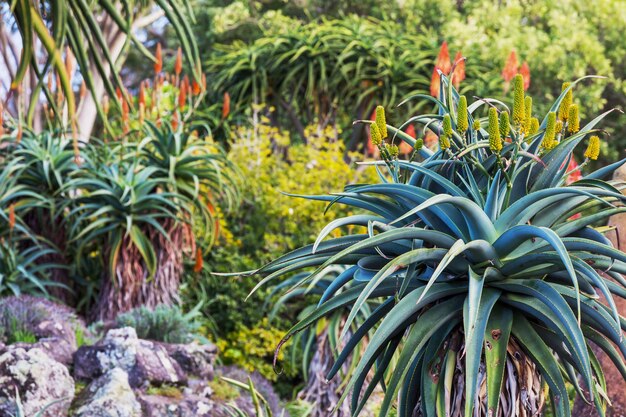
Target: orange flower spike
203	82
226	105
510	68
118	93
158	65
199	261
125	111
182	96
405	148
175	121
178	65
525	71
12	217
443	59
195	88
435	84
458	74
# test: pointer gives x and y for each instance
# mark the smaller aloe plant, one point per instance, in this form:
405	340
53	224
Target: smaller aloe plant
487	268
144	208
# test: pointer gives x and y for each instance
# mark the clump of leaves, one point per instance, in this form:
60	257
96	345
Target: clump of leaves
163	323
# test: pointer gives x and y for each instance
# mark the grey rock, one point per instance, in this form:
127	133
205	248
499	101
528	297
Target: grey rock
143	360
195	359
61	350
108	396
39	380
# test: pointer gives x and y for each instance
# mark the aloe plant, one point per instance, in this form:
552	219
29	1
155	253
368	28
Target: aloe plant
487	267
143	210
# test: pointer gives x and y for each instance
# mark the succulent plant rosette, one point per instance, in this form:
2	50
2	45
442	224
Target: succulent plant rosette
492	278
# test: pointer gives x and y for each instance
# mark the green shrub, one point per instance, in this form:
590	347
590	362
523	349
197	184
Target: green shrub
163	323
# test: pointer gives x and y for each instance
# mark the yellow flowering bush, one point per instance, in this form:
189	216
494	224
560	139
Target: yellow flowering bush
271	166
252	348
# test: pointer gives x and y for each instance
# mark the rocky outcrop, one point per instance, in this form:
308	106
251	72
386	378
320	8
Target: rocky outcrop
108	396
38	379
124	376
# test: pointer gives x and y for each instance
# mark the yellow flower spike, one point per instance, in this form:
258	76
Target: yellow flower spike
593	149
534	126
505	125
462	122
476	124
549	141
565	103
381	121
495	141
573	122
518	101
419	144
375	134
444	142
447	125
528	113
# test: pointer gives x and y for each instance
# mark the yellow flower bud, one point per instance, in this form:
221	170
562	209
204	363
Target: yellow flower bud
381	121
444	142
518	101
534	126
393	150
419	144
573	122
565	103
528	113
504	124
447	125
593	149
549	141
375	134
462	122
558	127
495	141
476	124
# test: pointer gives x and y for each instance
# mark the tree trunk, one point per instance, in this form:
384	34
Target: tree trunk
324	395
132	287
53	230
